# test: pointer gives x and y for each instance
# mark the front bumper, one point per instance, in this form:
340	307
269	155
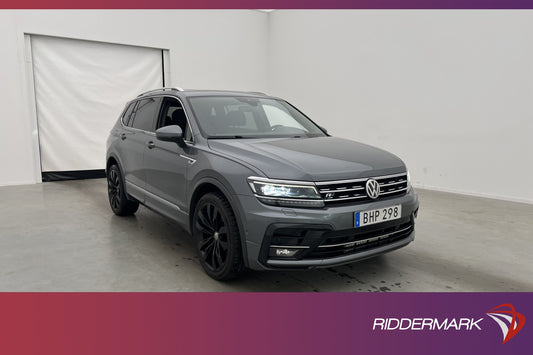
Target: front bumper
326	236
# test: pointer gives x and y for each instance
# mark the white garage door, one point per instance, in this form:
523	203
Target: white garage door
80	89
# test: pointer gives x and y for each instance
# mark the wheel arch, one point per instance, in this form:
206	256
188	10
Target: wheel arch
112	159
210	184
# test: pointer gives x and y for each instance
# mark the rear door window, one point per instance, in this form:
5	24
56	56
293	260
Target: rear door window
146	114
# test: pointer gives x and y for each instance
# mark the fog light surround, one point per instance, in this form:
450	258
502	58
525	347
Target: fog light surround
284	252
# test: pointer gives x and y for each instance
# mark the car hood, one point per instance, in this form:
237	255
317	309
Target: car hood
310	159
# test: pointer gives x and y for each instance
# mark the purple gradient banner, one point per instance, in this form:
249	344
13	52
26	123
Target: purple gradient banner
259	323
266	4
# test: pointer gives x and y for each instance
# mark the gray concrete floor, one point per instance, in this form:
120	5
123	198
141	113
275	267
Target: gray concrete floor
62	236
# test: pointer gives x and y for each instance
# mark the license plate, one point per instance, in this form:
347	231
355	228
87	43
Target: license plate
384	214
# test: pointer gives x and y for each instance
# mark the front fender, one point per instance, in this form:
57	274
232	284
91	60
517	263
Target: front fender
230	178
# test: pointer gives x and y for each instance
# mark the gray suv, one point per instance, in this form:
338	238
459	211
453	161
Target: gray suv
256	182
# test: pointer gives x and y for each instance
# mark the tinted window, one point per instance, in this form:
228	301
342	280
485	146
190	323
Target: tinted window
146	114
127	114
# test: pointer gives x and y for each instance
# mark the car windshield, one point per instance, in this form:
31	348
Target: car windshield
250	117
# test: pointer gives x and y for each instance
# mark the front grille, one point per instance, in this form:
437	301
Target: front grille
336	192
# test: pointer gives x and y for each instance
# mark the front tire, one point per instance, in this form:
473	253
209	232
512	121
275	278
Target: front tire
118	200
217	237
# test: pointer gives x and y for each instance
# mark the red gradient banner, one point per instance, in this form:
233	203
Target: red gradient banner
257	323
266	4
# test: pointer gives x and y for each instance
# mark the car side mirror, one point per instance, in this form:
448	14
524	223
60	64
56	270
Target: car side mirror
172	133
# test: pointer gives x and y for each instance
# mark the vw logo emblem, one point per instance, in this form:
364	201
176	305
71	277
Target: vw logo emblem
372	188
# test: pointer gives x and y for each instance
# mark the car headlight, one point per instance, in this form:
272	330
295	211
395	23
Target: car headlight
408	181
285	193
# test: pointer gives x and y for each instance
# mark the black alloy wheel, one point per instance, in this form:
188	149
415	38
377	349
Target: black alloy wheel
119	202
217	237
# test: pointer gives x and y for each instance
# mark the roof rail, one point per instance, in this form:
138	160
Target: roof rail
161	89
257	92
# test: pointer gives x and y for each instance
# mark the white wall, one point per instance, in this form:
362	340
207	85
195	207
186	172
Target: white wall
208	49
450	92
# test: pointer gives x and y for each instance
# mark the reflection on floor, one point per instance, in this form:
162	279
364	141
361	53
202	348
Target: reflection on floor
62	236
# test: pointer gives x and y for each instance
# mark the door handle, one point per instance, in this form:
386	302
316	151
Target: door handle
123	136
150	145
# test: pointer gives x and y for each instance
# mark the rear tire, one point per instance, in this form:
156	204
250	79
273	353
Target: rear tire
118	200
217	237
